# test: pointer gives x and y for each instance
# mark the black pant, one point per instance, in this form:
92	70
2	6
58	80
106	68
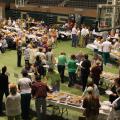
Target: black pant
40	104
6	92
96	80
25	105
61	69
72	78
112	98
19	60
84	78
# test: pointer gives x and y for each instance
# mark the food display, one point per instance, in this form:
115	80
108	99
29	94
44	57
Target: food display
57	96
116	53
65	98
74	100
105	106
109	76
52	97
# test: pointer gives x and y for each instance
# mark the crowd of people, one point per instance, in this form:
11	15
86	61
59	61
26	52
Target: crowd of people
26	31
105	43
42	67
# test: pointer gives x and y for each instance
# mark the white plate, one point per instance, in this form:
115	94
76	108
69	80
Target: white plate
46	66
30	74
78	64
108	92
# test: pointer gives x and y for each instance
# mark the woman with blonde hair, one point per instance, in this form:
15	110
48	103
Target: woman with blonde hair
91	105
13	104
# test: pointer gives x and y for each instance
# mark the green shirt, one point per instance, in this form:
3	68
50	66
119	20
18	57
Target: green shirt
62	60
72	66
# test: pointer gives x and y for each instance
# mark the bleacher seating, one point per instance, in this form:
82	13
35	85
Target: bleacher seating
67	3
84	3
46	2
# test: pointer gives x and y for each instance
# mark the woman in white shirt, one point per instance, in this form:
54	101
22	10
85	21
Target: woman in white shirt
13	104
106	49
100	47
24	85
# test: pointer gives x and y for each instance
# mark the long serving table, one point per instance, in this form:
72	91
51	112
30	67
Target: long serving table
61	108
108	79
113	55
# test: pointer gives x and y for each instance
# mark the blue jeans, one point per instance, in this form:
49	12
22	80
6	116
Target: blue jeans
74	40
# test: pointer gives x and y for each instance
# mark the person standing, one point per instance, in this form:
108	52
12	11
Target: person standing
91	105
95	73
115	112
115	86
39	67
100	47
50	58
78	36
24	86
39	92
74	36
62	60
13	104
72	67
106	49
3	87
27	54
19	54
54	79
95	89
85	70
96	43
84	36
